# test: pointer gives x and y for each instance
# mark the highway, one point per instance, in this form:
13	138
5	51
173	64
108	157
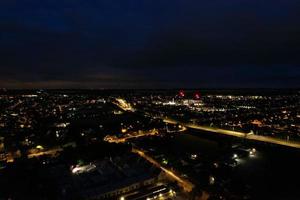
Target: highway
249	136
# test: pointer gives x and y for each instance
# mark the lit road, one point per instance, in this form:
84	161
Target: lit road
185	184
51	152
248	136
113	139
123	105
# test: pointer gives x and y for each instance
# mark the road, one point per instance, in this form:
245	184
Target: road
123	105
248	136
51	152
113	139
185	184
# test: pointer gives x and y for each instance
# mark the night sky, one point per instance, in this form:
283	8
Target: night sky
149	44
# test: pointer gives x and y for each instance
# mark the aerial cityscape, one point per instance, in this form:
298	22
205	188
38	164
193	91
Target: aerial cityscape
149	100
149	144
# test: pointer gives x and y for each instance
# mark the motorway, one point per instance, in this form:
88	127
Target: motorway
248	136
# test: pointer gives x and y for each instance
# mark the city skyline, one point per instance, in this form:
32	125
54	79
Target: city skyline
149	144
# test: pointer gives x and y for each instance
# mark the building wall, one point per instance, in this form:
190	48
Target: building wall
127	189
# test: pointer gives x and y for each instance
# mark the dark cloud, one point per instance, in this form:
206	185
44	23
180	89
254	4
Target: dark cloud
90	44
